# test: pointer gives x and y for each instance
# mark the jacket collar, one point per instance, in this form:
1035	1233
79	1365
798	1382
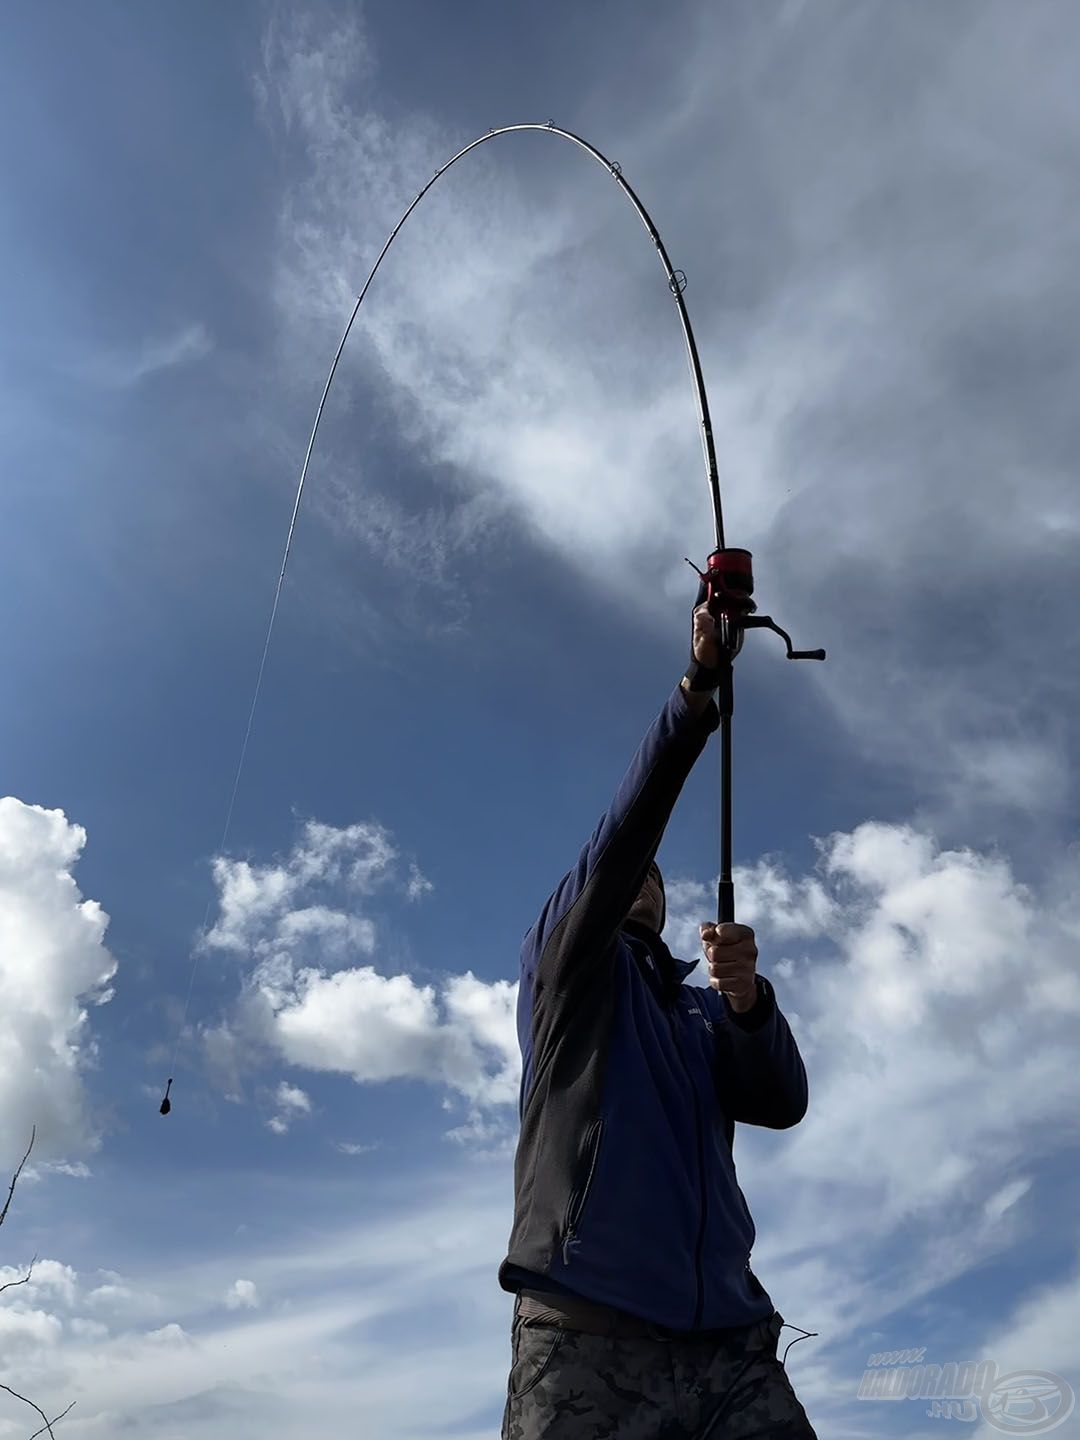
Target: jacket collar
670	972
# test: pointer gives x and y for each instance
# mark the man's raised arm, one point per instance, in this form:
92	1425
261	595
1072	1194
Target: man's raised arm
572	943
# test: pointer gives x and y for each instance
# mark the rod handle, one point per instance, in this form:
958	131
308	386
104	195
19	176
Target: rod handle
725	902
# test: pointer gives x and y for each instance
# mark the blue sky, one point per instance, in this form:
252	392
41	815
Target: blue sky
486	606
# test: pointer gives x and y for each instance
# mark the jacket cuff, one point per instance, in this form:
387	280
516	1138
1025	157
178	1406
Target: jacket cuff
687	719
759	1013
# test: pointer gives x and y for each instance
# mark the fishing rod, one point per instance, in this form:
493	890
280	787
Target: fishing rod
726	584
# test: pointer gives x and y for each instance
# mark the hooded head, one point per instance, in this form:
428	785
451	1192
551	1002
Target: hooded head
650	907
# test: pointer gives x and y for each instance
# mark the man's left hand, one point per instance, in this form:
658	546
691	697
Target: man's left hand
732	956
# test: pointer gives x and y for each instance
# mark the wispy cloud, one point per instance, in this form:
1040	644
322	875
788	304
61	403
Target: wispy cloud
122	370
212	1346
349	1147
887	339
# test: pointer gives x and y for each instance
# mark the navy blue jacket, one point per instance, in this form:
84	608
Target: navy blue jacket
632	1081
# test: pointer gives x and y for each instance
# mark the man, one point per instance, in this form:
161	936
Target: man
638	1316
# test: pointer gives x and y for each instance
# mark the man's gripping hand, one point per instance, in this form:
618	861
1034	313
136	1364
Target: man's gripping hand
732	956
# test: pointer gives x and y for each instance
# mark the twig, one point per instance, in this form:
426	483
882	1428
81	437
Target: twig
12	1283
3	1216
15	1177
47	1426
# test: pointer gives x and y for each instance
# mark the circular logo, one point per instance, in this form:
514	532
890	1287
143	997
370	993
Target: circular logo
1028	1402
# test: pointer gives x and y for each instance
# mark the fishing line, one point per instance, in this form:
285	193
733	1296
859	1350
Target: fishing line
676	284
803	1335
721	1410
166	1104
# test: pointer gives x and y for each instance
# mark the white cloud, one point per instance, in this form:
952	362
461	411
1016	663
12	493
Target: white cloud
907	967
791	909
934	1000
936	1072
243	1295
89	1330
485	1013
47	1277
77	1171
375	1027
171	1335
291	1102
939	1087
22	1329
257	904
296	920
481	1132
53	965
378	1028
111	1294
418	884
291	1097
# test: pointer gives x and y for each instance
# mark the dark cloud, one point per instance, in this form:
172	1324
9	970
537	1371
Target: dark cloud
886	214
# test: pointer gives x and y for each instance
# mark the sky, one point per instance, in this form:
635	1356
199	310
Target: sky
487	604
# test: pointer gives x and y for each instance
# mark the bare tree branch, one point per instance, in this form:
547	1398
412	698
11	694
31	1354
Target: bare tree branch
48	1425
15	1177
12	1283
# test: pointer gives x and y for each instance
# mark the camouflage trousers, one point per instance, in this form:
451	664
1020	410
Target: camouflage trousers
567	1385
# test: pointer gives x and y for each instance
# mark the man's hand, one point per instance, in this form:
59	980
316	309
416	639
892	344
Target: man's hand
705	643
732	956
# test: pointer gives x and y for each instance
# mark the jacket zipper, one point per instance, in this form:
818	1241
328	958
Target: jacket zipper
701	1173
576	1207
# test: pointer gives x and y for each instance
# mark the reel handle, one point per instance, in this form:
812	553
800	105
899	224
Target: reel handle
766	622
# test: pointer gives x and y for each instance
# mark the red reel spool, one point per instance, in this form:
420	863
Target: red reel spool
728	583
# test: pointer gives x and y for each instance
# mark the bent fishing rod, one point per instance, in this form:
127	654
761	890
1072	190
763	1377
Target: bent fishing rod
726	584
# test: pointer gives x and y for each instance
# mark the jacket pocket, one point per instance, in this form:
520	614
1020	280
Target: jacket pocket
575	1208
